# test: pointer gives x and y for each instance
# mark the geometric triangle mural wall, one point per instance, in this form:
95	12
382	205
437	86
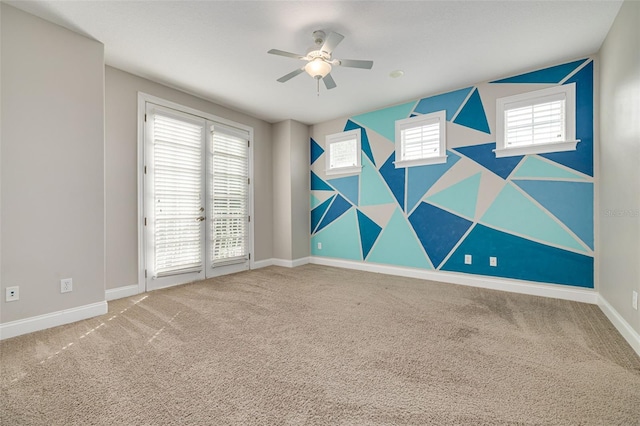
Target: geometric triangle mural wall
513	212
460	198
484	155
472	114
534	213
421	178
534	167
340	239
519	258
552	75
438	230
571	202
397	245
347	186
369	231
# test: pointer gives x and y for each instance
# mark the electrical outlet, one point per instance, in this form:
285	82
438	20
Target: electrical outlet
319	246
66	285
467	259
634	300
493	261
13	294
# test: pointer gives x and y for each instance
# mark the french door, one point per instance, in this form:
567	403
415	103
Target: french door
196	206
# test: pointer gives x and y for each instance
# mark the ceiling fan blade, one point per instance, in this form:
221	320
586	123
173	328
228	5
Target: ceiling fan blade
333	39
355	63
329	82
286	54
291	75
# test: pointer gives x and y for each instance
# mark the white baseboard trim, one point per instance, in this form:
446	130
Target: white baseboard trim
629	334
555	291
281	262
122	292
54	319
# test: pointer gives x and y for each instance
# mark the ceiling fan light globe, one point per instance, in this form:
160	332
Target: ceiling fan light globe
317	68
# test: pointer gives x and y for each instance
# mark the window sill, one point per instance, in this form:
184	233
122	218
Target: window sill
537	149
421	162
344	170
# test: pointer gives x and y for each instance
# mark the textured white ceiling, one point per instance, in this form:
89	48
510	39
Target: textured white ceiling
218	49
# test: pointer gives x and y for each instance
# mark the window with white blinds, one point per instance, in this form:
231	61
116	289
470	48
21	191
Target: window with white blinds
536	122
343	152
229	186
421	140
177	181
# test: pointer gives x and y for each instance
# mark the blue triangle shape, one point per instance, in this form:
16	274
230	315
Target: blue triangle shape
364	139
318	212
316	151
369	231
484	155
460	197
582	158
394	178
421	178
438	230
339	240
383	121
515	255
449	101
571	202
348	187
318	184
338	207
551	75
472	114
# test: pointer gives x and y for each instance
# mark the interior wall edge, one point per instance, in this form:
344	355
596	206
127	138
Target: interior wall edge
624	328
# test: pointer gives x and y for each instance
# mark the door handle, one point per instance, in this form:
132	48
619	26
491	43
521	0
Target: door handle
201	209
200	219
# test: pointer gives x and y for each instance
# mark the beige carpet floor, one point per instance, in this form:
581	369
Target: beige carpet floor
317	345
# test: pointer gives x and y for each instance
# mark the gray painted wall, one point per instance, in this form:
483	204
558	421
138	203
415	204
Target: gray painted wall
290	190
619	207
52	169
121	104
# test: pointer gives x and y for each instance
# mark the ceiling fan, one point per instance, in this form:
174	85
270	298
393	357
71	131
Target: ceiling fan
319	60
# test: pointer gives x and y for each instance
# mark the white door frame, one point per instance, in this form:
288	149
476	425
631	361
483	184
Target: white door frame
143	98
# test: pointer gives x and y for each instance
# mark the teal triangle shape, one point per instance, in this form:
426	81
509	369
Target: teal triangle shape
314	201
318	212
513	212
533	167
459	198
369	231
316	151
373	189
318	184
348	187
421	178
551	75
383	121
571	202
365	147
398	245
341	239
472	114
337	208
449	102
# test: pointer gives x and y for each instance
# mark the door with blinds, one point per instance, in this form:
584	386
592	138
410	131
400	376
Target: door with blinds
196	204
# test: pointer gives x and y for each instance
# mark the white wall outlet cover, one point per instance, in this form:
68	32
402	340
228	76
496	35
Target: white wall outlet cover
319	246
12	294
66	285
493	261
634	300
467	259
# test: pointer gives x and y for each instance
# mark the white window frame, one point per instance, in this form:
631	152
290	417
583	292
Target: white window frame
439	117
349	135
566	92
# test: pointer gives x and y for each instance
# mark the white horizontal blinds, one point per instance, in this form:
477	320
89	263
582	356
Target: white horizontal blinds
228	180
177	179
536	123
343	154
421	141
